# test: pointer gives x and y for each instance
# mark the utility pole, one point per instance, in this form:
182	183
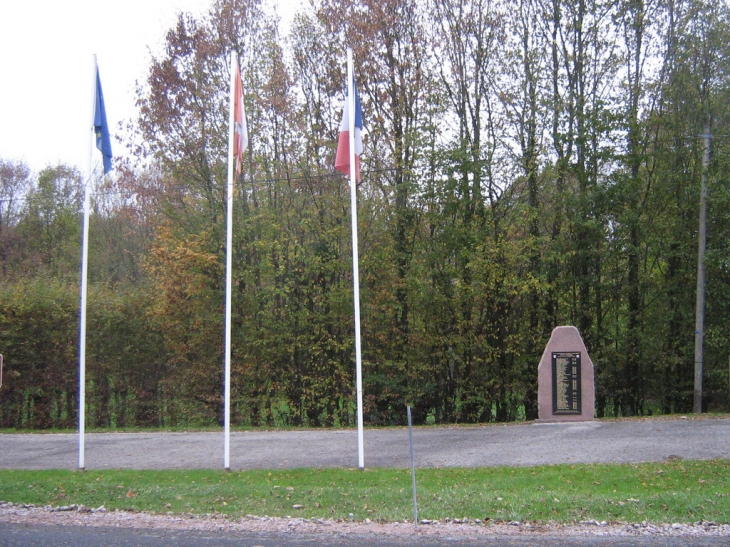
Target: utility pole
701	244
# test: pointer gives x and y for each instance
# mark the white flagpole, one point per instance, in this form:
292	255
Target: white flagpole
84	285
229	268
355	266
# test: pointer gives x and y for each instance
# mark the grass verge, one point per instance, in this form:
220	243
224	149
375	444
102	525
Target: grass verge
676	491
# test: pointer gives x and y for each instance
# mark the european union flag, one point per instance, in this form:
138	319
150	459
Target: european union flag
101	127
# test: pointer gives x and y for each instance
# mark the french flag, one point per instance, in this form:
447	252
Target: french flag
342	160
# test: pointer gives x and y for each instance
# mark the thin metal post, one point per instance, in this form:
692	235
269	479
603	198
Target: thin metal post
229	273
413	468
85	282
355	261
701	246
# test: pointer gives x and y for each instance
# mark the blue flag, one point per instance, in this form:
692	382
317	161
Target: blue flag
101	127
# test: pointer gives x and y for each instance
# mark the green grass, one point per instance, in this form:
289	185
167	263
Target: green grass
677	491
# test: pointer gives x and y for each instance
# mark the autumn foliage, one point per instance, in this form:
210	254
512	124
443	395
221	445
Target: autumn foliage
527	164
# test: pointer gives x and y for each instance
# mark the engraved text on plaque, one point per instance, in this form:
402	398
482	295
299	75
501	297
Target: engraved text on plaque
566	382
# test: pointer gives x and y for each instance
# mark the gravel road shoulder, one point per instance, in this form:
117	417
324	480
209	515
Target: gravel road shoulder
81	516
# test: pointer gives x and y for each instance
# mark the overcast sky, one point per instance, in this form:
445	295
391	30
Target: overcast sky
46	62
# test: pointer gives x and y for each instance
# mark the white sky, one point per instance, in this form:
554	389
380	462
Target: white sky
46	63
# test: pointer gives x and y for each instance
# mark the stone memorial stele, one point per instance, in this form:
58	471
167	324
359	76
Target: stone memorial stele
565	389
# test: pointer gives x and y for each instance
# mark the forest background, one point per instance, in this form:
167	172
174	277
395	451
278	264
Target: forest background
527	164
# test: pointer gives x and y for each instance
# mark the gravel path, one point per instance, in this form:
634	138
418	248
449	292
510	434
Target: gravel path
627	441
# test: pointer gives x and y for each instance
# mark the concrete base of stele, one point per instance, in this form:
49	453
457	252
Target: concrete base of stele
565	385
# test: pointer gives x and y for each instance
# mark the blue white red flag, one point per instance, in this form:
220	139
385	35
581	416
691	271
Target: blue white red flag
342	160
101	127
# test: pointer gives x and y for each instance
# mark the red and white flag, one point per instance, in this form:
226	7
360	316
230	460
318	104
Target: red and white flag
342	160
240	131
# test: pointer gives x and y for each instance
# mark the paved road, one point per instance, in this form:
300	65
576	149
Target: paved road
484	446
16	535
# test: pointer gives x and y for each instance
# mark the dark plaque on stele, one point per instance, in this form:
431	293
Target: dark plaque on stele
566	382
